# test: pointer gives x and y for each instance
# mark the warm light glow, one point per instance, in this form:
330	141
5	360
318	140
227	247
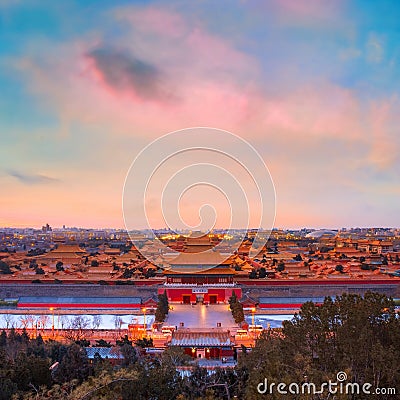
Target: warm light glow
169	237
203	313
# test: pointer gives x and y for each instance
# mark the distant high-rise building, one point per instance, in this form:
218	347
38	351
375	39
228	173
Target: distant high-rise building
46	228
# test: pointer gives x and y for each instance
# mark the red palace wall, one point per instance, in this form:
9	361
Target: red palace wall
213	352
177	294
95	306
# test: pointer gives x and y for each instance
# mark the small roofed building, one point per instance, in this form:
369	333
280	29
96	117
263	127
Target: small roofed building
214	344
150	303
381	246
248	303
375	246
67	254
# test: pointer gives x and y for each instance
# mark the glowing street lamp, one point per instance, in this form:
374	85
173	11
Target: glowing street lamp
253	311
144	320
52	321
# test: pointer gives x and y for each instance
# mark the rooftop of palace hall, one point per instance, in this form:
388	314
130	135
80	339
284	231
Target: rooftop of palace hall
116	260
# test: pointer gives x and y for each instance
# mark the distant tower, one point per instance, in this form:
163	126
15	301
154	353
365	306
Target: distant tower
46	228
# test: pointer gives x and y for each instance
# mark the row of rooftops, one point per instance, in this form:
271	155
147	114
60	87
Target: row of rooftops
209	262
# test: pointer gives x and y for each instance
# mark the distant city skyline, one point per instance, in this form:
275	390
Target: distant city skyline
313	86
283	228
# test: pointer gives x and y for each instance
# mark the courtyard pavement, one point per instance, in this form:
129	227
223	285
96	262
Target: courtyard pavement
201	316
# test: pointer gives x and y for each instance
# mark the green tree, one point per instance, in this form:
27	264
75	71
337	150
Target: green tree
175	356
124	340
262	273
162	307
60	266
129	353
30	370
359	335
39	271
253	274
236	308
102	343
7	388
233	299
144	342
74	365
5	268
339	268
281	266
3	338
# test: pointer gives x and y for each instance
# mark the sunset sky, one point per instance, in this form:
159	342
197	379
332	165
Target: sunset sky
313	85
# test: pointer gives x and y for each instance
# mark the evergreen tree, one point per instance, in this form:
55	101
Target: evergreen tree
3	338
74	365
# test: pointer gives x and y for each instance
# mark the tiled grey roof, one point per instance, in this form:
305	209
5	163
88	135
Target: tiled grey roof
104	352
200	339
78	300
289	300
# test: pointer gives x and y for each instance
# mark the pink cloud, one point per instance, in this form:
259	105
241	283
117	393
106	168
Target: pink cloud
202	79
383	127
153	19
316	109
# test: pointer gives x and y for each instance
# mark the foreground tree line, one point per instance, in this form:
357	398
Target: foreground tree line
359	336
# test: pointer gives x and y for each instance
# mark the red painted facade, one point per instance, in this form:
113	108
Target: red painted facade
77	305
210	352
191	294
200	279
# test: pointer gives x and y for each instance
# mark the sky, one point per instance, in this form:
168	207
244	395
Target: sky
312	85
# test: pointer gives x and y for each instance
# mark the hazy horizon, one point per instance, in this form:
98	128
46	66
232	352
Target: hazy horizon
216	229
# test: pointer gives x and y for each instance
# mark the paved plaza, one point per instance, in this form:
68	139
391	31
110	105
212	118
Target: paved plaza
201	316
